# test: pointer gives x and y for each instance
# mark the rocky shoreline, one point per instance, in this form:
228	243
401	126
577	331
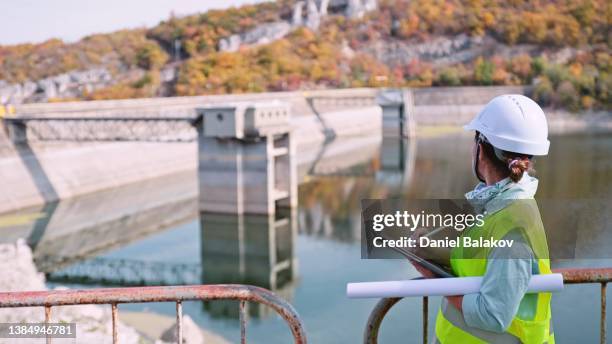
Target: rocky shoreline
93	321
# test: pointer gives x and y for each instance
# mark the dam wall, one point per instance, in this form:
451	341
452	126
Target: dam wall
455	105
42	172
85	225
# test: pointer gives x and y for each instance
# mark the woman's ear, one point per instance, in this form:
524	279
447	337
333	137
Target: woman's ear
483	160
481	156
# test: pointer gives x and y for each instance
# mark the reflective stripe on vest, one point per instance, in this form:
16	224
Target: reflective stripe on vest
455	334
450	325
450	319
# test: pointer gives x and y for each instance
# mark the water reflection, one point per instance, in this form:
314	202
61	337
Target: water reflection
397	164
85	227
248	249
330	204
573	194
331	188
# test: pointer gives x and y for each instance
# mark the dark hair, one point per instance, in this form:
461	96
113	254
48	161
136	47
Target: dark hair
512	164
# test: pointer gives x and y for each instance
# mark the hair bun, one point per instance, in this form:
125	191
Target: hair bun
517	167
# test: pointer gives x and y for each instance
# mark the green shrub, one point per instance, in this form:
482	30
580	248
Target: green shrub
568	96
151	57
543	91
483	72
449	77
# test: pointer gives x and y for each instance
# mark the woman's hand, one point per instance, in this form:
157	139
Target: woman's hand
416	236
422	270
456	301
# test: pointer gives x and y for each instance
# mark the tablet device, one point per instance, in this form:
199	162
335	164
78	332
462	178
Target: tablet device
438	270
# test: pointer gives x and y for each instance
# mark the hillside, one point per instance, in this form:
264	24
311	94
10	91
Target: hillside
561	47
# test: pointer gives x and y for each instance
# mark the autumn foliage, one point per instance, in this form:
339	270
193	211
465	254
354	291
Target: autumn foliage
532	35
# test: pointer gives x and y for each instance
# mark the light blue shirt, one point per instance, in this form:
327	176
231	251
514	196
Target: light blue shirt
508	269
503	286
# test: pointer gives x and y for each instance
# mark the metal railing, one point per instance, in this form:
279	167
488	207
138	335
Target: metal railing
570	276
178	294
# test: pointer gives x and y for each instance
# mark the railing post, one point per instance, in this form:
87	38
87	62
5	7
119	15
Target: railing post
114	321
179	322
370	335
243	319
47	321
603	324
425	318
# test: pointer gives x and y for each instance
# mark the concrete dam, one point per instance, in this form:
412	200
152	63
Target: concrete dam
75	158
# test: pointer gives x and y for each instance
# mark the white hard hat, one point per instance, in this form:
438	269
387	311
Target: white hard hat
513	123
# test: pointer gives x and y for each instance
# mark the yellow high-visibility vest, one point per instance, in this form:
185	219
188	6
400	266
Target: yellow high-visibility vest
532	323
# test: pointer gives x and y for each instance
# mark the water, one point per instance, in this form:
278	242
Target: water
324	255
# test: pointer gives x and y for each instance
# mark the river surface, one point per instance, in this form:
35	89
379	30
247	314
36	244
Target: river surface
325	253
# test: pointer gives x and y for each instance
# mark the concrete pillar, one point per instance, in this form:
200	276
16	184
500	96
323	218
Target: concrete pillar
246	159
248	249
285	170
17	130
398	112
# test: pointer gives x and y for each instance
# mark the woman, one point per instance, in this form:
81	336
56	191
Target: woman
509	131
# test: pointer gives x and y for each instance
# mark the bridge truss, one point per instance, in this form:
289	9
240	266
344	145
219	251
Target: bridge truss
122	272
80	129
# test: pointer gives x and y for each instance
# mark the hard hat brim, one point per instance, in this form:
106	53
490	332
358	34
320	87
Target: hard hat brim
511	145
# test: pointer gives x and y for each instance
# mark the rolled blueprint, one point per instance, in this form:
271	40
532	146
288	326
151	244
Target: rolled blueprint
442	286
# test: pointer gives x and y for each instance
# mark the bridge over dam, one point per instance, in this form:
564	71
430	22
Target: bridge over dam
63	159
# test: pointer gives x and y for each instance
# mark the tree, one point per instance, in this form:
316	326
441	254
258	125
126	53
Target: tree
151	57
449	77
543	91
483	71
521	67
568	96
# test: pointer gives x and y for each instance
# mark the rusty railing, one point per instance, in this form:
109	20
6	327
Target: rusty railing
570	276
178	294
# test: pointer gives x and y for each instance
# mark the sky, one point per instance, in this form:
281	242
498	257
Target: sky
35	21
